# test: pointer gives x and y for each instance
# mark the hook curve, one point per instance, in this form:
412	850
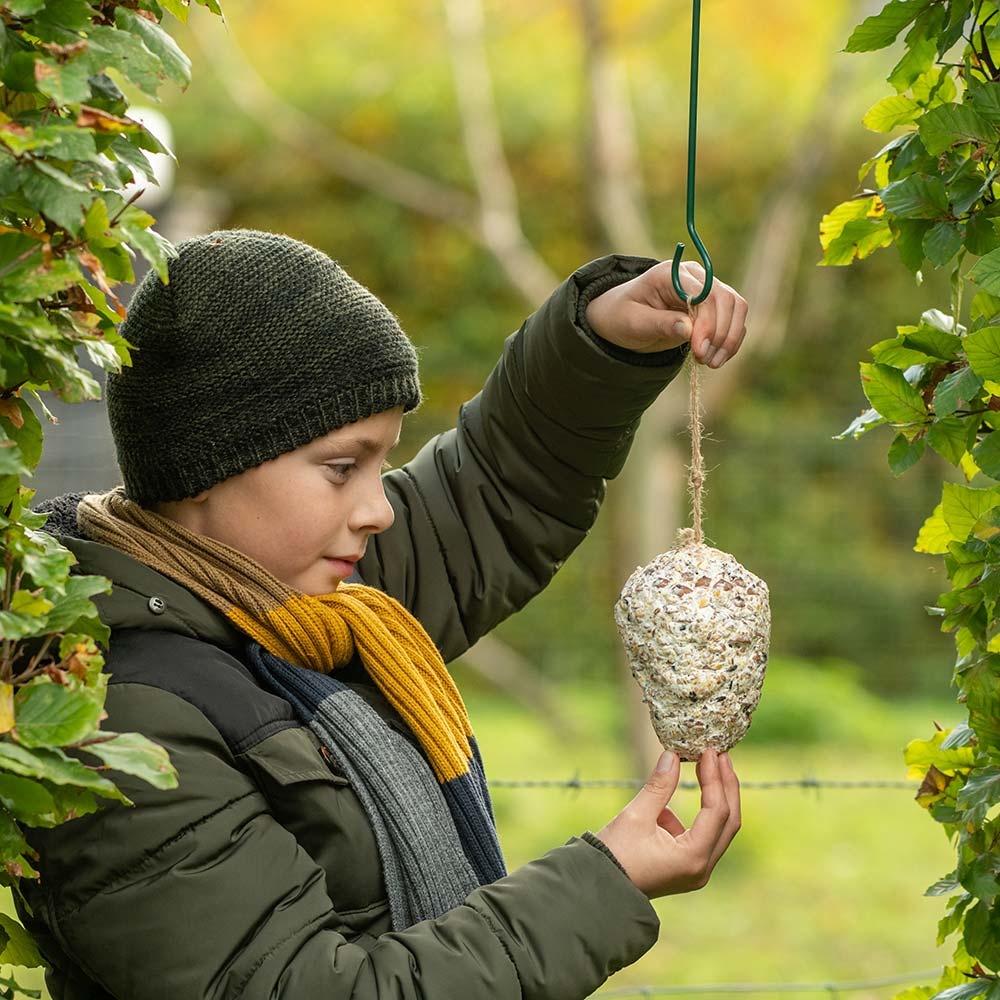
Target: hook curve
675	271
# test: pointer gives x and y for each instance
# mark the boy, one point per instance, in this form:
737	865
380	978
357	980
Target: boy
281	615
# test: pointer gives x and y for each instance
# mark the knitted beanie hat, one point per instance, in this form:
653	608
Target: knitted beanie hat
259	344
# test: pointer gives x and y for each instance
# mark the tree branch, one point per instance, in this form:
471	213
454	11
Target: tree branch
499	220
610	146
258	100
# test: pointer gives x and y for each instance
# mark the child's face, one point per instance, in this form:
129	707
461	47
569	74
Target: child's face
306	516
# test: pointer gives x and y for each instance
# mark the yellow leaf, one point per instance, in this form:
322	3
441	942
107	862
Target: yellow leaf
6	708
969	467
926	756
934	534
832	224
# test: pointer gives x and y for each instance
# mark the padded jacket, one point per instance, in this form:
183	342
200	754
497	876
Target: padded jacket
258	876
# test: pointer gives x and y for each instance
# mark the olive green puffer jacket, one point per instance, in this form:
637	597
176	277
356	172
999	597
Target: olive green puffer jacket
258	877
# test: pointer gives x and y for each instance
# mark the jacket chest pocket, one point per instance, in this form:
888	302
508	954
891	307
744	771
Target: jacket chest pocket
319	808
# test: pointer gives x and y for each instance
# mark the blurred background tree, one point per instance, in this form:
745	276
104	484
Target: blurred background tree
460	157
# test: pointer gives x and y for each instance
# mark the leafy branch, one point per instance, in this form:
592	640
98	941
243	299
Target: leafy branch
937	384
68	236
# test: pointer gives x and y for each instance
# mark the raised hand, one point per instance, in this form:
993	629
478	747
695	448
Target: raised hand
646	315
658	853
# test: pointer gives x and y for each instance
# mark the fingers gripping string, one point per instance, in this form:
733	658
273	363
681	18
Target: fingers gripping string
675	273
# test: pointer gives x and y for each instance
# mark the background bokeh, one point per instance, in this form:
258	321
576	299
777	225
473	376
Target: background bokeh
367	130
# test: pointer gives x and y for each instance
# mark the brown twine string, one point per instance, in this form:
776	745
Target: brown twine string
696	471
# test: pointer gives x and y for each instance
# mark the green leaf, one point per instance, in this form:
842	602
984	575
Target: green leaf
982	876
897	354
952	437
46	562
918	58
934	342
904	454
982	348
65	82
985	307
943	886
951	124
21	949
28	801
956	391
987	455
24	8
982	933
909	235
985	99
980	792
942	242
963	506
179	8
133	754
74	605
886	114
880	30
889	393
154	247
981	234
50	715
54	766
986	272
35	281
175	63
126	53
56	194
916	197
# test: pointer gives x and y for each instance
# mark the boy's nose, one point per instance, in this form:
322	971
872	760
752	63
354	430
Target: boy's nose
374	513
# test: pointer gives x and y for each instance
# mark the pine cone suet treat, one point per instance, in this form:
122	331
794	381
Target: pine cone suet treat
696	627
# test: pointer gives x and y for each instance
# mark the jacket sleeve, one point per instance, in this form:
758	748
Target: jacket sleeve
487	512
199	893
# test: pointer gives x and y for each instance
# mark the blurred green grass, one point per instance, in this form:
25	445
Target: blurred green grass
821	885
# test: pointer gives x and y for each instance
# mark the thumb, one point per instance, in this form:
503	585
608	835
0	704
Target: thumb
677	324
659	787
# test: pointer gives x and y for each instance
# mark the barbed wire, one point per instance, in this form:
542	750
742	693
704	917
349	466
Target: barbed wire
576	783
831	988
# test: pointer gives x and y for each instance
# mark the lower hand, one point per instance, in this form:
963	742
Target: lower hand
646	315
658	853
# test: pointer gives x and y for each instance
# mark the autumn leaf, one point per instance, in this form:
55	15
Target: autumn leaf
10	410
93	265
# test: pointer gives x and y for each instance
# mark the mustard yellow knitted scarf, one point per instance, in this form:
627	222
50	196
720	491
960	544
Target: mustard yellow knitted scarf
318	632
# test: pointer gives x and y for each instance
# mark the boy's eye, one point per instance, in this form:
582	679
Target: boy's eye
340	471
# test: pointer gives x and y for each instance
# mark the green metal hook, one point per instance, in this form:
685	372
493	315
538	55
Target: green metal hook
692	146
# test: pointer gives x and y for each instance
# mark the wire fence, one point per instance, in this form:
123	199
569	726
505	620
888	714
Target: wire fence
831	989
577	784
806	783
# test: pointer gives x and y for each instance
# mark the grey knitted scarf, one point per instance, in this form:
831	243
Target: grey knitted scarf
432	855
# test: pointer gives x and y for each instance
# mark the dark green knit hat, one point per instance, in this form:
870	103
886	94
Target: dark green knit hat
258	344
